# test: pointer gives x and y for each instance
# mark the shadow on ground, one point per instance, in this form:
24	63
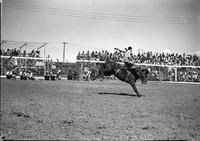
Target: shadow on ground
122	94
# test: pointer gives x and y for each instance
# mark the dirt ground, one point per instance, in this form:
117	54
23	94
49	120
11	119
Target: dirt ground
99	110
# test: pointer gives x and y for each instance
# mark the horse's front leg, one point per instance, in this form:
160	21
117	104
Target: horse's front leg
135	89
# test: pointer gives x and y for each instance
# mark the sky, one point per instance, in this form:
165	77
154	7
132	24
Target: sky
95	25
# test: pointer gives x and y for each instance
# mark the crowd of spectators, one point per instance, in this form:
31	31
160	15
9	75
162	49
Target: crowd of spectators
12	63
169	74
99	56
145	58
16	52
26	75
162	73
167	59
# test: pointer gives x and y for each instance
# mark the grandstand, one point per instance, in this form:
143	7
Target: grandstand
173	67
163	67
16	55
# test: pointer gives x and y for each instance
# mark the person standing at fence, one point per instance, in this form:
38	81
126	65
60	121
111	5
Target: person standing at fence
23	74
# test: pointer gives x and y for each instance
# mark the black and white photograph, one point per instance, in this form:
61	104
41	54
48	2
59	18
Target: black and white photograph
100	70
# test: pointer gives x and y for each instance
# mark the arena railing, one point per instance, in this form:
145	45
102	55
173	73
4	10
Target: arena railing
169	73
16	63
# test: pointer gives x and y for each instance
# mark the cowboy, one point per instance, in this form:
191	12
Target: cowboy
23	74
127	57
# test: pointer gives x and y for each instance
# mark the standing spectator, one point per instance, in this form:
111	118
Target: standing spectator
78	56
95	55
83	55
99	56
92	55
103	55
87	55
23	74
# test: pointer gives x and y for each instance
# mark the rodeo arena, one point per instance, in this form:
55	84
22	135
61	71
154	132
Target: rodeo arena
48	99
129	93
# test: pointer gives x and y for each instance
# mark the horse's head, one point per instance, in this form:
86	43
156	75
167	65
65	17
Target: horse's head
143	75
95	75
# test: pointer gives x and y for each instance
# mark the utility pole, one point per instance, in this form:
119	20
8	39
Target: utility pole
45	67
20	62
1	5
64	43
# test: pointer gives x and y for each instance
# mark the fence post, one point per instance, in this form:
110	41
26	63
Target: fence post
175	74
20	61
82	66
192	74
159	73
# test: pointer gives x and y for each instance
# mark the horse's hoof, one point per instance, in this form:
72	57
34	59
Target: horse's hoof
139	95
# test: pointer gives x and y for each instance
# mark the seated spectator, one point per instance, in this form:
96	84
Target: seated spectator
85	76
55	72
10	75
69	75
30	75
23	75
86	73
32	53
47	75
8	52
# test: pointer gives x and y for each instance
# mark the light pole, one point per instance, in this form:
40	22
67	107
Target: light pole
20	62
44	56
64	43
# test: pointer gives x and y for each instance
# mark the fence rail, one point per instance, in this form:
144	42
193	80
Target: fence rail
34	58
171	73
158	72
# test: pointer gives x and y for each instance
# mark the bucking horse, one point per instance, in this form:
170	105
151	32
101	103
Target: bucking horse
128	75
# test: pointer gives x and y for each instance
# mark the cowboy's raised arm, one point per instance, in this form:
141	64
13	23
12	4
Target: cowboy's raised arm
119	50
